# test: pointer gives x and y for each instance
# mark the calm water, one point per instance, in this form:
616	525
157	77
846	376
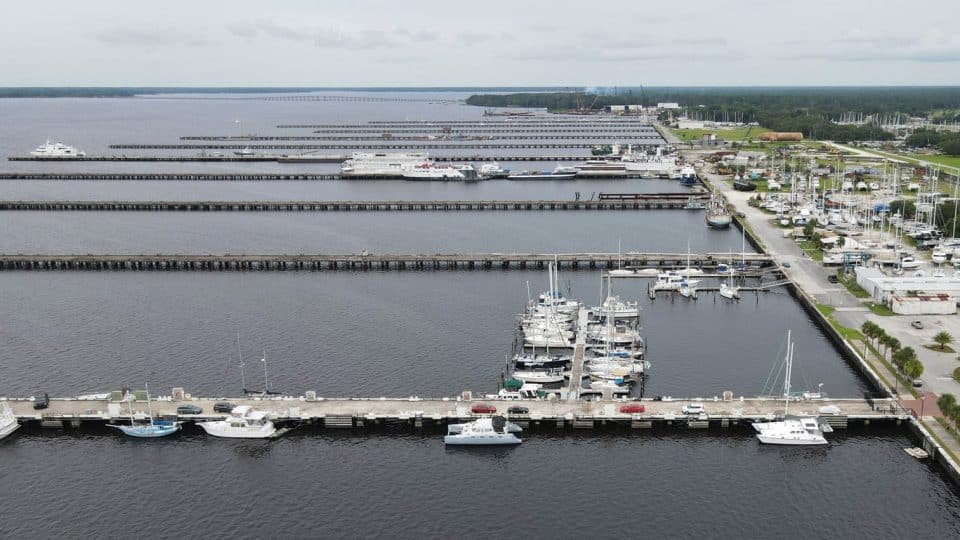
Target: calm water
392	333
664	485
351	232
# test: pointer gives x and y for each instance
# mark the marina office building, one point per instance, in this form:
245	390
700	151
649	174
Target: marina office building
911	295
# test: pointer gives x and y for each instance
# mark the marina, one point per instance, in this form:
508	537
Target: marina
443	332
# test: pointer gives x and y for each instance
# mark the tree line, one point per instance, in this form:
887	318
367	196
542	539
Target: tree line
947	142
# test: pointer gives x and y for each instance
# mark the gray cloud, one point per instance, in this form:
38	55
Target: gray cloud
151	37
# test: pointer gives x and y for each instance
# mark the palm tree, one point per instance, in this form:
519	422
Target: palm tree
893	345
913	368
947	403
942	339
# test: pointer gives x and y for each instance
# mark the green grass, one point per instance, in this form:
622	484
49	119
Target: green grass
855	289
952	432
879	309
936	348
734	134
812	249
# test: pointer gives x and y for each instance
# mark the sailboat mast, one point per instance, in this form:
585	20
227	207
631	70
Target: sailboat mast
149	409
243	379
266	383
786	378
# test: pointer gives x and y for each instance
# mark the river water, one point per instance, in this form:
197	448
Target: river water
429	333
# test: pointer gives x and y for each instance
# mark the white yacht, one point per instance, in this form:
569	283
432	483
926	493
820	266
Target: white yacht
434	171
539	377
8	421
792	430
55	150
600	167
243	423
485	431
493	170
383	165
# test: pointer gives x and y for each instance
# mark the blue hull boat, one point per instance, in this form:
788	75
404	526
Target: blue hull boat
150	431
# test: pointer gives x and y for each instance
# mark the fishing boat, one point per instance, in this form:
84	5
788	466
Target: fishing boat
487	431
8	421
792	430
151	430
718	216
688	175
243	423
687	290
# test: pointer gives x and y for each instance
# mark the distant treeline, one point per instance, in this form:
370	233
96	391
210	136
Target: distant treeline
810	110
947	141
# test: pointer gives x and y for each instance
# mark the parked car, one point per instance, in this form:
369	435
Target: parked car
41	402
189	409
694	408
832	278
917	383
518	410
917	324
786	264
632	408
483	408
223	407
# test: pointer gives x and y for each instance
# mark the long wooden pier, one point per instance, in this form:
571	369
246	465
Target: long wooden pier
645	202
359	413
597	137
365	261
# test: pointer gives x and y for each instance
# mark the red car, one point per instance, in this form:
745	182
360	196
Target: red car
483	408
632	408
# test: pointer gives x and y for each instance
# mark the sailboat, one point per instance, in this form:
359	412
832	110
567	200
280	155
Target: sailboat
243	381
728	292
153	430
792	430
619	271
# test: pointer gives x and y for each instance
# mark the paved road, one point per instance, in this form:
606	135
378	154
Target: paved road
811	276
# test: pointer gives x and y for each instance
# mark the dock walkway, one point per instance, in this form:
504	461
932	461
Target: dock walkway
367	412
576	369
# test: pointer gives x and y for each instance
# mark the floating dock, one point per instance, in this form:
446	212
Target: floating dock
317	262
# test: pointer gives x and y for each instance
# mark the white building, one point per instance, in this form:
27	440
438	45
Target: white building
668	105
932	292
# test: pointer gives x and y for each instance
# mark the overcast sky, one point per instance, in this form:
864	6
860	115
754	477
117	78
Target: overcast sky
489	43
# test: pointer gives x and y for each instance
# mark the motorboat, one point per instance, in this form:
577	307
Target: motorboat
56	150
687	290
382	165
246	152
908	263
559	173
939	254
601	167
244	422
486	431
493	171
613	334
509	427
8	421
688	175
791	430
433	171
616	308
668	281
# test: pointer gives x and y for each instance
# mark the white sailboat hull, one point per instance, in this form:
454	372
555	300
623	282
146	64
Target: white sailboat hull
223	429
